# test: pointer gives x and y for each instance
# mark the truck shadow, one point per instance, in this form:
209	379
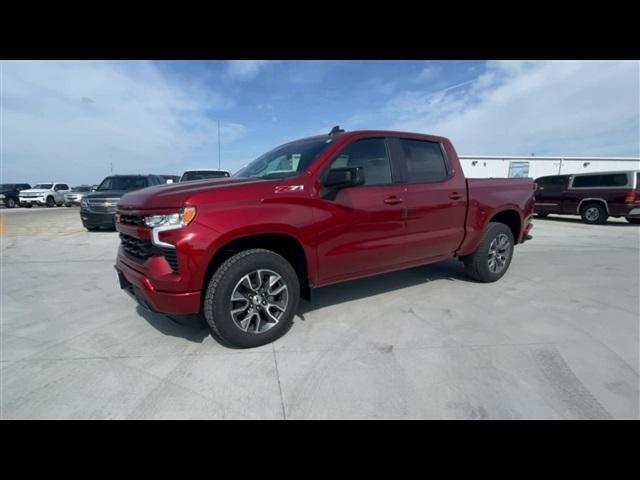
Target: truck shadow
561	219
451	270
192	328
195	328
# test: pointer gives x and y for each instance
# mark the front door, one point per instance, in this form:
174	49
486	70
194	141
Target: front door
361	227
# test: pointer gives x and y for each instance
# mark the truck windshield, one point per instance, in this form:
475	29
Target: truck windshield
43	186
123	183
285	161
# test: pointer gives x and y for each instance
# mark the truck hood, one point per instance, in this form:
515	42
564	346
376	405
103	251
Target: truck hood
35	190
103	194
174	195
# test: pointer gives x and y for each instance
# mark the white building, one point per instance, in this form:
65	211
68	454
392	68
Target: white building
483	166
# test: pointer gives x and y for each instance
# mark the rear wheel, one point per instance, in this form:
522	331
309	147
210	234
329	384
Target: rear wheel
594	214
633	221
50	202
252	298
493	256
10	202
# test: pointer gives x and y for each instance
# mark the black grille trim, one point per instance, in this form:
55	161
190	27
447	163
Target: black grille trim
144	249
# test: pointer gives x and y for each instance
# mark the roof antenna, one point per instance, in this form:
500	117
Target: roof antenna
335	130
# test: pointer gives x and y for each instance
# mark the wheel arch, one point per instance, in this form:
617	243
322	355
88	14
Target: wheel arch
511	218
586	201
284	244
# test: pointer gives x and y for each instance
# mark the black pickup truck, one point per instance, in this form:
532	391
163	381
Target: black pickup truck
10	193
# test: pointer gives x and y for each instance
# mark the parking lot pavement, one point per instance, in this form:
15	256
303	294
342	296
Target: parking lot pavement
557	337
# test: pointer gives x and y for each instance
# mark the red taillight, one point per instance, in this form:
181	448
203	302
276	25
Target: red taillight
631	197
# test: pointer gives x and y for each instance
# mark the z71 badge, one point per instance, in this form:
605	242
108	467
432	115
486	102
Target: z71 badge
289	188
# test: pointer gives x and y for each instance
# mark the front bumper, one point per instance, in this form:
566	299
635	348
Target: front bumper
92	219
140	289
33	201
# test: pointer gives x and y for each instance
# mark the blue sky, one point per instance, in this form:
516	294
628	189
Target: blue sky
68	121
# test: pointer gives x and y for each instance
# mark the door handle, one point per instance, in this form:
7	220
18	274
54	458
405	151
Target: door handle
455	196
393	200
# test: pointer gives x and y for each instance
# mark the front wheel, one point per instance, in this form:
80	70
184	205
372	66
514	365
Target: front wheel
10	202
252	298
633	221
50	202
492	258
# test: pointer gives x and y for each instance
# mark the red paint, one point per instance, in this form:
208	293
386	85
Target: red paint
364	231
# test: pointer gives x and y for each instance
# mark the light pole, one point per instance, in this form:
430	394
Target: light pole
219	145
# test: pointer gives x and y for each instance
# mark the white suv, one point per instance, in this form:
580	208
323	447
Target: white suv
49	194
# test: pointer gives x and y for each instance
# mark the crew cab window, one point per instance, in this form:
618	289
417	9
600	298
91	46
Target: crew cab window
424	161
61	186
606	180
371	155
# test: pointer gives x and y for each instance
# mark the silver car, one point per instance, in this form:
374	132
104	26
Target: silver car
75	195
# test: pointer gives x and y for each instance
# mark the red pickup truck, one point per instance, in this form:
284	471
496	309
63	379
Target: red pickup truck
310	213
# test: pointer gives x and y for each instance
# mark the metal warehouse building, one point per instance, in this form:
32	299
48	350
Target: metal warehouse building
483	166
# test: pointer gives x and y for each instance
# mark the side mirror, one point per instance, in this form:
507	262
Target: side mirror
344	177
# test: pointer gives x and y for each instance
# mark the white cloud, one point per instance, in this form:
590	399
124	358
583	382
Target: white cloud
245	69
557	107
72	119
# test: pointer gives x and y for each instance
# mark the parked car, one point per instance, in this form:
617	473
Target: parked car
49	194
310	213
97	209
76	194
10	193
593	196
170	178
203	174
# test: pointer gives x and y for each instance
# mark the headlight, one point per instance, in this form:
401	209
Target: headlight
176	220
84	203
1	196
170	221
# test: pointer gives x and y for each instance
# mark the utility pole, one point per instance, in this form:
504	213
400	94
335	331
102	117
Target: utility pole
219	145
111	166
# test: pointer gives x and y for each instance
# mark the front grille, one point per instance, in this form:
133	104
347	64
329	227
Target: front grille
103	205
31	195
131	219
140	249
144	249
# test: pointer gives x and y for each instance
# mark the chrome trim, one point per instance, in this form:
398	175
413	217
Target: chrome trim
547	203
155	235
606	205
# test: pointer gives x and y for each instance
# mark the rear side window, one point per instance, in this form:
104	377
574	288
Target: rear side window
371	155
424	161
606	180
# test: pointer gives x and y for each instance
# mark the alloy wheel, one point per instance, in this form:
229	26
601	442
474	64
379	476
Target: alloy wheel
258	301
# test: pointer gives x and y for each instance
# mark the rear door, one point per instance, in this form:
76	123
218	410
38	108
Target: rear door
435	199
361	228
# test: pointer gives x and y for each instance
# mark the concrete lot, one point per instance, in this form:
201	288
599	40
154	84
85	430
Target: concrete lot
556	338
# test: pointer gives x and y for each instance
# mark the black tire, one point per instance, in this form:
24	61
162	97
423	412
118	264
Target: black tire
68	205
10	203
217	301
50	202
542	215
594	213
633	221
477	264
